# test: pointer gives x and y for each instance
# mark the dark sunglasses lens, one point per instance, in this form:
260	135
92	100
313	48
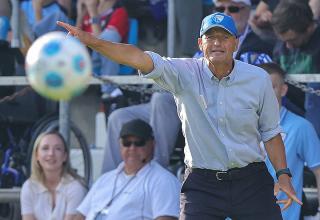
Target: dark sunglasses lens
140	143
220	9
135	143
233	9
126	143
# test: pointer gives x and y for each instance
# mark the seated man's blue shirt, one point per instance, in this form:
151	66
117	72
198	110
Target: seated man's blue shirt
302	146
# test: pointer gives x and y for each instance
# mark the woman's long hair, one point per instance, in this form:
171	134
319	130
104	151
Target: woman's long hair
36	169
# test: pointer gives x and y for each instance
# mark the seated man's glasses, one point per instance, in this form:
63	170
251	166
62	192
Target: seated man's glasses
140	143
231	9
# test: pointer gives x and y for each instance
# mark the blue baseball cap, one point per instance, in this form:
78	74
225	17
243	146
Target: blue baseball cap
221	20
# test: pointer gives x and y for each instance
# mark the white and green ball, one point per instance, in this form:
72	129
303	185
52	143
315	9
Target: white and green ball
58	66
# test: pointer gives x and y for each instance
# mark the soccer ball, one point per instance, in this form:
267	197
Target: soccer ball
58	67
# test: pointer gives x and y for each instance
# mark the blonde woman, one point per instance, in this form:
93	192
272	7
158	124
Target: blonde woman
53	191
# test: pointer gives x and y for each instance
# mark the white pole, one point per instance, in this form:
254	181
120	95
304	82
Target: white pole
171	29
15	42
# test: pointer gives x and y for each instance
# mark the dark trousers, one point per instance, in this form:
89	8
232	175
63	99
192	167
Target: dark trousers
240	193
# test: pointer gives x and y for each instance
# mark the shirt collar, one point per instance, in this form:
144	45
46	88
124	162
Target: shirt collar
208	72
143	170
42	189
232	75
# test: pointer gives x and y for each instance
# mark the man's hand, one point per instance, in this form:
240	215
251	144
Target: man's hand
263	20
120	53
85	37
284	184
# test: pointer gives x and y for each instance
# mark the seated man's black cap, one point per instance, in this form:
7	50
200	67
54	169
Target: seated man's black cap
138	128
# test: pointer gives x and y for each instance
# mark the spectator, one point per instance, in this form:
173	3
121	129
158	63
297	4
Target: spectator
301	141
160	112
298	51
108	20
139	188
53	191
69	5
42	14
261	19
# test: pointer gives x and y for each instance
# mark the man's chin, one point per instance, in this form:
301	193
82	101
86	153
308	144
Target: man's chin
217	60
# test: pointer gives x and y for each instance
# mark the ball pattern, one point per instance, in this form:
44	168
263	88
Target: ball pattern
58	66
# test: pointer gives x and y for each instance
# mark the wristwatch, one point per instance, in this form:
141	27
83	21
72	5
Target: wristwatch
283	171
94	20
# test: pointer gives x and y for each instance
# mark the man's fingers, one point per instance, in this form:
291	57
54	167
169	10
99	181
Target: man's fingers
62	24
295	198
282	201
70	28
292	196
287	204
276	189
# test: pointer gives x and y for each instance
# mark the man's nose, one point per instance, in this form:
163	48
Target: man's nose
226	11
216	41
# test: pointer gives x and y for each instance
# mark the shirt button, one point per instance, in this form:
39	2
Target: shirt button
220	103
222	135
230	150
221	119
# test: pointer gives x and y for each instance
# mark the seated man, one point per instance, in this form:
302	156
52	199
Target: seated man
160	112
139	188
302	144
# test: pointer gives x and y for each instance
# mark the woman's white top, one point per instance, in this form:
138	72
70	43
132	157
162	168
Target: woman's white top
37	200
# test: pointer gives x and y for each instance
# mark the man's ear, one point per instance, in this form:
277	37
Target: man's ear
284	90
200	44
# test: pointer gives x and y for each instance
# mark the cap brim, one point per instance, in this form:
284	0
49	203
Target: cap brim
218	26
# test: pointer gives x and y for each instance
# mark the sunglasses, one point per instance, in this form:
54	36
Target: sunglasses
231	9
140	143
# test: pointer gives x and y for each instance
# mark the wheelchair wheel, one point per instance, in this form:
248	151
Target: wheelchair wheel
10	211
80	155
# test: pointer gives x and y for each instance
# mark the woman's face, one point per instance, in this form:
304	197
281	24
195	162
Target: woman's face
51	153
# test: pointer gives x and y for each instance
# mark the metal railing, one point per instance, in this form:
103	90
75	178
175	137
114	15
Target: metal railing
12	195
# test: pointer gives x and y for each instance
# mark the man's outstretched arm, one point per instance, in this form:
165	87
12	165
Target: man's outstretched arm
118	52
